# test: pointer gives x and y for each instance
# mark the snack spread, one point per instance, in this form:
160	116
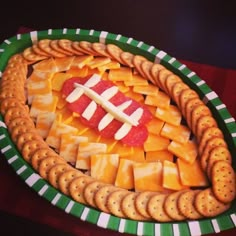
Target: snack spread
116	132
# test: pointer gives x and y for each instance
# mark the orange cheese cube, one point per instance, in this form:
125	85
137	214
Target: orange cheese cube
121	74
98	61
155	143
81	61
43	103
92	135
109	66
40	75
58	79
161	100
85	151
77	72
171	177
136	96
47	65
148	176
57	129
69	146
155	125
137	80
122	87
64	63
125	168
44	122
179	133
192	174
159	156
110	143
104	167
137	155
172	115
123	150
146	89
187	151
61	103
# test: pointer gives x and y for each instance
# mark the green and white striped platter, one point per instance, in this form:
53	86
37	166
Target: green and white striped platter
226	122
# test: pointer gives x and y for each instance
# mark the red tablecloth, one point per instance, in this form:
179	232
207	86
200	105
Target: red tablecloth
18	199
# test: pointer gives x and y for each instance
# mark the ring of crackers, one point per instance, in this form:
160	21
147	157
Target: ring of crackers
169	206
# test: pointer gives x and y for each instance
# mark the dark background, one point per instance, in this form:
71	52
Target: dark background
200	31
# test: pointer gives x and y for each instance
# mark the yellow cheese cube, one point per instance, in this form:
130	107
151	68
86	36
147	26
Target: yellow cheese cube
192	174
98	61
172	115
137	155
123	150
40	75
171	177
47	65
137	80
109	66
85	151
148	176
69	146
155	125
104	167
125	169
61	103
179	133
187	151
81	61
77	72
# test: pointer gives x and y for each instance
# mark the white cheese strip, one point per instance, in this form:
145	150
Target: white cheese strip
94	79
90	110
125	128
110	92
108	118
75	95
108	106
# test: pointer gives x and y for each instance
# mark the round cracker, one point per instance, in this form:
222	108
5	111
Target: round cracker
146	70
55	172
14	112
170	82
66	44
155	72
171	206
129	209
44	45
31	56
55	45
65	178
114	202
186	204
115	52
77	186
208	205
156	209
127	58
90	191
176	90
16	131
223	181
101	197
100	49
9	102
20	121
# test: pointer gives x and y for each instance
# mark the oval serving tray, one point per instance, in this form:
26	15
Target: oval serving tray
225	221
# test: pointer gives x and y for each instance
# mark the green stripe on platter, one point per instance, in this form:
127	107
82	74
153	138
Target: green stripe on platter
77	209
50	193
206	226
113	223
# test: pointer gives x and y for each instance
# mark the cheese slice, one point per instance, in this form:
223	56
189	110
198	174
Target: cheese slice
171	176
85	151
125	168
57	129
179	133
161	100
98	62
44	122
109	66
148	176
156	143
69	146
172	115
155	125
43	103
187	151
121	74
146	89
137	80
192	174
161	155
104	167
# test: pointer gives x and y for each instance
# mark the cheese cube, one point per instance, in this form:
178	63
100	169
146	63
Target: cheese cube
155	125
179	133
161	155
172	115
161	100
137	80
104	167
146	89
148	176
125	168
69	146
64	63
156	143
121	74
42	104
171	176
47	65
187	151
85	151
58	79
192	174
